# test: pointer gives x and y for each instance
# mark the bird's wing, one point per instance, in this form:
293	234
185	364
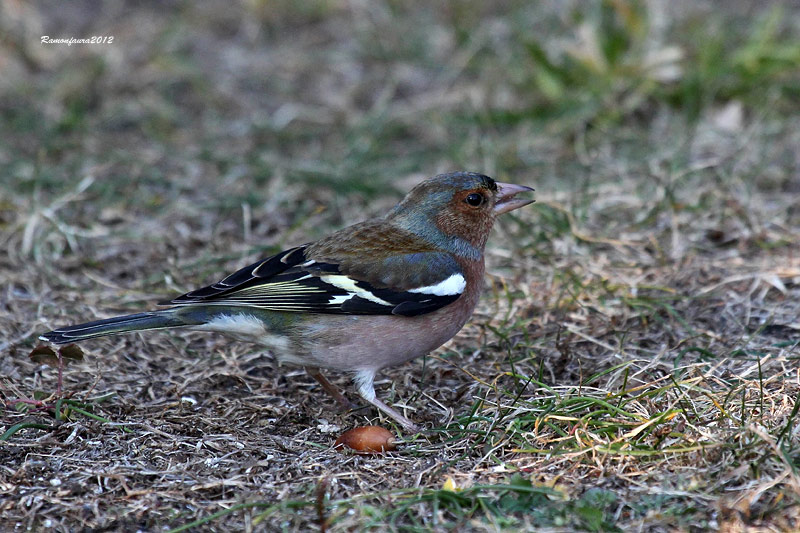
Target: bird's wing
295	280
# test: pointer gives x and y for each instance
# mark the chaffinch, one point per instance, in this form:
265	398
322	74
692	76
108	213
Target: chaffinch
369	296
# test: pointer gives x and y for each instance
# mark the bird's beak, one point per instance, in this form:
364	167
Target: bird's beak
505	197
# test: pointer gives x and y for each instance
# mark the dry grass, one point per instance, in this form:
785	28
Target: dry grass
632	365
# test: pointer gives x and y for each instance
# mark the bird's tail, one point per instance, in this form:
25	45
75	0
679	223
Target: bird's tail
167	318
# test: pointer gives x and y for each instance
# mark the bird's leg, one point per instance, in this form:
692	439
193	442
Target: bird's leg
330	388
60	374
364	382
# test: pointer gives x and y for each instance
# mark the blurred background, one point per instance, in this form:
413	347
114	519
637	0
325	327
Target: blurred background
275	113
223	104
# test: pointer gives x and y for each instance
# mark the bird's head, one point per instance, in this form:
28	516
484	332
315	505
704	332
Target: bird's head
457	210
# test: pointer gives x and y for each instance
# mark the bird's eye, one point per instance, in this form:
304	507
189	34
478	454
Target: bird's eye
474	199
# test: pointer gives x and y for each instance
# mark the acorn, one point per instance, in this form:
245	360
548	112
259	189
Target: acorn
367	439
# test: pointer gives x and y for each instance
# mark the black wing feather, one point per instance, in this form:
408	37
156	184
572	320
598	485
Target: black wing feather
291	282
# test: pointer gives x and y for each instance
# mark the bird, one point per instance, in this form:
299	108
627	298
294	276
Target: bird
372	295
